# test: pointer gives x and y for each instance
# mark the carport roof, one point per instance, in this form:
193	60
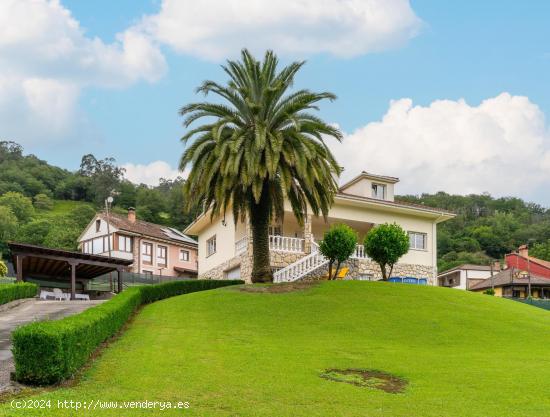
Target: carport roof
42	262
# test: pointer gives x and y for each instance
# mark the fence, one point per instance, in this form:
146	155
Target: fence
7	280
129	279
545	304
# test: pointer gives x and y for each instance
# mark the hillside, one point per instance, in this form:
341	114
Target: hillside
231	353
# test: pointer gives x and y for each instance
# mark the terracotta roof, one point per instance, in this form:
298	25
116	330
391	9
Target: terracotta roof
398	203
144	228
510	276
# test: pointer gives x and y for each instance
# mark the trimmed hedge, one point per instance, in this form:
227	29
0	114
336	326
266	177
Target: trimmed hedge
48	352
11	292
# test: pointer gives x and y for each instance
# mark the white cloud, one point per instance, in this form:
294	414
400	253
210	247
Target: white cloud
501	146
46	59
218	28
151	173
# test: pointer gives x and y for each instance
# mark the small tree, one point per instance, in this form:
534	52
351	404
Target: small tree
43	202
3	269
385	244
338	245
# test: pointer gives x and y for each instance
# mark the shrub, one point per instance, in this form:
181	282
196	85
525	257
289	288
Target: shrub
489	291
20	205
11	292
43	202
338	244
385	244
51	351
3	269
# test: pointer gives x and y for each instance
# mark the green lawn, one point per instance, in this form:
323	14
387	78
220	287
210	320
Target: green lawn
232	353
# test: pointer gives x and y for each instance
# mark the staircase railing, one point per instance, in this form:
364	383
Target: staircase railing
302	266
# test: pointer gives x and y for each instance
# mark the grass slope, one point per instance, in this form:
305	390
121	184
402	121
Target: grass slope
232	353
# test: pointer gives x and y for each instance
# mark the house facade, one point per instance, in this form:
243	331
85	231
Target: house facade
465	276
225	247
154	249
515	283
522	261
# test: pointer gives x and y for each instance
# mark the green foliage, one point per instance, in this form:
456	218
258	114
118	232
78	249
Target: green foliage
51	351
489	291
541	250
8	227
385	244
452	259
260	145
20	205
81	216
3	269
338	244
11	292
42	202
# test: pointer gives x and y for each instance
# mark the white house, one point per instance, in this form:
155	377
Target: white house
463	277
225	248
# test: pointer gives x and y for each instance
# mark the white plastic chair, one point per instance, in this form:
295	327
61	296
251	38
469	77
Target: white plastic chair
58	294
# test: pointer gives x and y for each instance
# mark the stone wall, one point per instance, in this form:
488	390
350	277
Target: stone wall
369	270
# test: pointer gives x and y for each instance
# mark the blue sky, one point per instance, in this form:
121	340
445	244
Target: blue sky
492	52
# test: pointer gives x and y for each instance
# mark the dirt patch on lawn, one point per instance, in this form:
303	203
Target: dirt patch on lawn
367	378
278	288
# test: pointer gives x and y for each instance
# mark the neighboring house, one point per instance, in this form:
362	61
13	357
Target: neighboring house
522	261
515	283
464	276
155	249
225	248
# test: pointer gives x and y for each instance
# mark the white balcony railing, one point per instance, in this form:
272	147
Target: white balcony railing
240	245
360	253
286	243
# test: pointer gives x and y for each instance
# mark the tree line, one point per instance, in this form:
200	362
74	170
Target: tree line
29	186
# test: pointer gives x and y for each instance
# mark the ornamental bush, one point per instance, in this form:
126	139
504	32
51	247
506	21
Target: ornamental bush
385	244
3	269
11	292
51	351
338	244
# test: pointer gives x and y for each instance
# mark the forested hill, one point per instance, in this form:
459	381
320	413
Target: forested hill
47	205
486	228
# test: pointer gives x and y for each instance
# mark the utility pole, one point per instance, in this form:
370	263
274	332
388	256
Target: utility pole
108	202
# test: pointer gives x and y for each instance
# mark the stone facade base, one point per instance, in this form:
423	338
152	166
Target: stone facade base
365	269
360	269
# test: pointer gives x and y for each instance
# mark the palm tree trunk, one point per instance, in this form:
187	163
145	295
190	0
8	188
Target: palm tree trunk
259	219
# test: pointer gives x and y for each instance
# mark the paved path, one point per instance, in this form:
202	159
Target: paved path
26	312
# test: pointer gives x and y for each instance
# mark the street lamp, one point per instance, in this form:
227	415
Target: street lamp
108	203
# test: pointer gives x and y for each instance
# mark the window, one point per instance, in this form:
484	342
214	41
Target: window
275	230
97	245
184	255
379	191
162	255
97	225
211	246
147	253
418	240
125	243
86	247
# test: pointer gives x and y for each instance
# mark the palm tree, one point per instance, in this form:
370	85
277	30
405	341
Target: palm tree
259	146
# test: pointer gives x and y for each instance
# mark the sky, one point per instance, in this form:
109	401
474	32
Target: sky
445	95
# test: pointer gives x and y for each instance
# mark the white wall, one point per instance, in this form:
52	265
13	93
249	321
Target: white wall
225	244
363	188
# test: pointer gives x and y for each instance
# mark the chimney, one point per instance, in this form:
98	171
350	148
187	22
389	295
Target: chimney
132	214
496	266
523	251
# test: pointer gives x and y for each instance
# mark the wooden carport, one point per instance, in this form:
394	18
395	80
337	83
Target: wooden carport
57	264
